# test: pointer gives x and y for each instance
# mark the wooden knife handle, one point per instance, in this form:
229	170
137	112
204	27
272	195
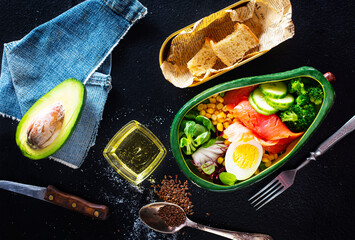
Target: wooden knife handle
75	203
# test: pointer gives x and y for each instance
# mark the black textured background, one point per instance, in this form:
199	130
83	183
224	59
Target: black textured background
320	205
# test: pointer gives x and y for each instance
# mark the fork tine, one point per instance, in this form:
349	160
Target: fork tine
263	189
277	192
272	187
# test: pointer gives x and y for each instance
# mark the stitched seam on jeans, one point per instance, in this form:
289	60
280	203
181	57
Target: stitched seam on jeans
105	82
140	13
117	12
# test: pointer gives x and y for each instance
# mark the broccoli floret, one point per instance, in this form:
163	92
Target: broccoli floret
298	118
315	95
288	116
302	113
302	100
297	86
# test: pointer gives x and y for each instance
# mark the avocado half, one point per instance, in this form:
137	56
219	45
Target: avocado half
48	124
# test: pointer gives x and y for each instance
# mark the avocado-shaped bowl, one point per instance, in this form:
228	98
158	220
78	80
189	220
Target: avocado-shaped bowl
202	180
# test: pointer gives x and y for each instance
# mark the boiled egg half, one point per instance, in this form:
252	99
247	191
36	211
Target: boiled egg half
243	158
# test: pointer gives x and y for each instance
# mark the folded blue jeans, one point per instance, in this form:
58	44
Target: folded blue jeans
76	44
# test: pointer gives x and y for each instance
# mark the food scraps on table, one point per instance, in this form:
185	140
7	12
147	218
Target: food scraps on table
236	134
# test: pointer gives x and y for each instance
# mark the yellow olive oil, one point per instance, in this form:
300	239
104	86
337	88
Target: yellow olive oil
137	151
134	152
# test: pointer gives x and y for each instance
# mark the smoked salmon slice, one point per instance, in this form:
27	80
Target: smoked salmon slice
233	97
267	127
237	132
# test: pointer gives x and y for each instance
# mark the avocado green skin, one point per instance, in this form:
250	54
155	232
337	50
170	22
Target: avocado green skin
55	148
310	72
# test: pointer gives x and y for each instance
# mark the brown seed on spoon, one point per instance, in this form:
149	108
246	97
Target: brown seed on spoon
172	215
149	214
175	192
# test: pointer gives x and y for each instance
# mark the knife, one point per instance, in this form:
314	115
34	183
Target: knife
53	195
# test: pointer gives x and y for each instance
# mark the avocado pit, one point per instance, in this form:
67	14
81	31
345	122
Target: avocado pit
45	126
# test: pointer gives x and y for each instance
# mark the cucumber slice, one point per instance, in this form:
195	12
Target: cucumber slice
258	102
281	103
274	90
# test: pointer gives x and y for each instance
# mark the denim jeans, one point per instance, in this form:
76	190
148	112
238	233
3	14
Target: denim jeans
76	44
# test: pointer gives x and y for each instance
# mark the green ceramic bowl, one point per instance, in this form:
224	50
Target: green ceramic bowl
192	173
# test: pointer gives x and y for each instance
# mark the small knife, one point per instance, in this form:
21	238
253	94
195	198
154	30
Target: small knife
53	195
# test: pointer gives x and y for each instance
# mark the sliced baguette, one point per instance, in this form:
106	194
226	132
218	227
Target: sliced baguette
203	60
234	46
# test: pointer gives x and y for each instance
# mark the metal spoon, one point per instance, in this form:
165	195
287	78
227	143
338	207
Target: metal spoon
149	215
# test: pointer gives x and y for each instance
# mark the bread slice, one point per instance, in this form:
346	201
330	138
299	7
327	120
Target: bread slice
203	60
234	46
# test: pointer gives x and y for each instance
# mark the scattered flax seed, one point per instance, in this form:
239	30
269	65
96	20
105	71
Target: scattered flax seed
174	191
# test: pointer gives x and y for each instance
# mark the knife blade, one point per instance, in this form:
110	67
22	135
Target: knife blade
55	196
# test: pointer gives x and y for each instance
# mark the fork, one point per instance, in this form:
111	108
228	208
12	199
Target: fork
286	178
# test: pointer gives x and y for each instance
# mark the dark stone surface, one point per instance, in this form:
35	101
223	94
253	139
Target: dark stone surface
320	205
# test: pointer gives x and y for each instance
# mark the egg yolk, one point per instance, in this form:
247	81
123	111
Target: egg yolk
245	156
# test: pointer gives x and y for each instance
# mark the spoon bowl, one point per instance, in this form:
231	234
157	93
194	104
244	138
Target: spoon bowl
149	216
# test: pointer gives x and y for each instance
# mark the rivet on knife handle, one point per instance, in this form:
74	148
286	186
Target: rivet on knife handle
72	202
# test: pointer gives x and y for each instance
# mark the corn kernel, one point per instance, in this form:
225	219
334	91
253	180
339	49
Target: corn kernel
234	120
212	100
214	117
221	115
203	112
219	106
229	115
208	115
211	105
275	156
225	136
210	110
214	122
220	99
270	156
200	107
216	112
265	160
220	127
220	120
224	108
257	171
267	164
226	124
224	163
220	160
226	142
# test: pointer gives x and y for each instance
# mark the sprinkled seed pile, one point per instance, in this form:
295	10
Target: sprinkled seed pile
173	216
172	190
